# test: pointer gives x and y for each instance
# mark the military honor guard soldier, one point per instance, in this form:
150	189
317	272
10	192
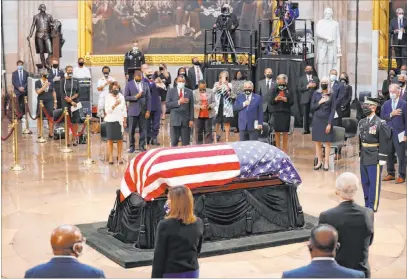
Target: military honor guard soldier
133	59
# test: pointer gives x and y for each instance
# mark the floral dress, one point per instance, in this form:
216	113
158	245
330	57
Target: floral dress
224	99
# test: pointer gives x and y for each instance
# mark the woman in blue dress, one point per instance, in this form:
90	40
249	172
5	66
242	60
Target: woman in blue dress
323	109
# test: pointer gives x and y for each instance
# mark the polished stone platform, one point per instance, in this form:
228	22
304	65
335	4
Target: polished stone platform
55	189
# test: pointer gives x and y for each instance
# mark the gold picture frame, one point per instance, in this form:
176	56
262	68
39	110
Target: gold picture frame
85	45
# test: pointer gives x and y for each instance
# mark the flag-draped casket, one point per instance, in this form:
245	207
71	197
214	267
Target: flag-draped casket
239	189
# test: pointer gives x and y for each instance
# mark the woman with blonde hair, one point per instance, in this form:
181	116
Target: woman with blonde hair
323	109
178	239
165	78
224	99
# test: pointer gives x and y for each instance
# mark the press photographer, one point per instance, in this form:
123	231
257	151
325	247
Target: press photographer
227	23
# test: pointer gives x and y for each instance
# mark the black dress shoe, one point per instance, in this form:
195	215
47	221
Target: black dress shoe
306	132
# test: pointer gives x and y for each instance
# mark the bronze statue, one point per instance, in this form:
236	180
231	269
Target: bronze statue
46	29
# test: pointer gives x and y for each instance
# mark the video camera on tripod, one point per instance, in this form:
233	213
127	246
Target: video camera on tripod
224	19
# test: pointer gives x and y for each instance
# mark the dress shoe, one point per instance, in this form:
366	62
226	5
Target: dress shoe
142	149
306	132
400	180
338	156
389	177
318	167
131	150
155	142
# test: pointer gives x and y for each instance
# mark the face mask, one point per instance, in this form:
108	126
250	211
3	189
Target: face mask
69	74
106	74
150	76
308	73
391	76
19	68
332	77
180	85
137	79
161	68
282	86
135	49
202	89
55	66
366	111
247	91
45	76
402	83
324	86
182	74
196	63
81	63
400	16
403	72
343	80
393	96
269	76
115	91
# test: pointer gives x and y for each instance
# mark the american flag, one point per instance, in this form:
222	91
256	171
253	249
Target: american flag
149	173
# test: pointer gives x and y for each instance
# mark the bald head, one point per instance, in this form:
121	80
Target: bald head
323	241
65	240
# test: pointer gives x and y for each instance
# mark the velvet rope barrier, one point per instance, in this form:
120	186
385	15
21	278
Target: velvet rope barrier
9	134
71	128
18	113
29	112
51	119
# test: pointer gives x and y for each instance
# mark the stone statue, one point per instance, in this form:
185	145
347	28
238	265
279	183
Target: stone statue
329	44
44	24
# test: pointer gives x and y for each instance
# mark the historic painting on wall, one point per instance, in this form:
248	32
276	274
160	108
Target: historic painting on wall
167	26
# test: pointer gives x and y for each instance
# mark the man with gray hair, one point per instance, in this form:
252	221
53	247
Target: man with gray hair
398	27
402	79
354	224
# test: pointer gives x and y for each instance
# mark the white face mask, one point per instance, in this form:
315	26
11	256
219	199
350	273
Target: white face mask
135	48
332	77
393	96
401	16
403	72
328	16
180	85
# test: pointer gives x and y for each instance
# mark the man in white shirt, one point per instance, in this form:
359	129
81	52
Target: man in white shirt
81	71
195	74
103	89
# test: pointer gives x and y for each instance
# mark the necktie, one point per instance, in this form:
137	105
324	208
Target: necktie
268	84
198	75
393	105
20	75
400	24
309	78
55	73
180	93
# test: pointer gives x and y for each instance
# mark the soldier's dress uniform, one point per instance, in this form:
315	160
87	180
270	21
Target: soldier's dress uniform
374	136
132	61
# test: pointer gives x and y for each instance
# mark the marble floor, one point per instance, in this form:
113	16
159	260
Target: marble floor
56	188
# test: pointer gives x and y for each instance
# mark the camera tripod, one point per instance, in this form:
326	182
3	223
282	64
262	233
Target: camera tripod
225	41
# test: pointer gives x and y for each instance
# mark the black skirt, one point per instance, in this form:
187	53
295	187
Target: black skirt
220	118
114	131
318	130
48	106
282	122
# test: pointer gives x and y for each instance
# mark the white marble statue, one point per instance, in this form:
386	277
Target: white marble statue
328	44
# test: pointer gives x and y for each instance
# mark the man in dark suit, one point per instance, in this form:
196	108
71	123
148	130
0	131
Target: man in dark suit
133	59
339	93
249	106
402	81
394	111
195	74
67	245
398	26
180	102
265	88
55	75
307	85
137	93
322	245
354	224
19	80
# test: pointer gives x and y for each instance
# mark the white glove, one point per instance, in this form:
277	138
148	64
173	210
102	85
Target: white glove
382	163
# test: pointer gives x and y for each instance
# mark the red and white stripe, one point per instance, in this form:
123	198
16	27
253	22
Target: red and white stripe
149	173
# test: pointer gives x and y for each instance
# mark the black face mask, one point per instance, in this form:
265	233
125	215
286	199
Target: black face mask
150	76
115	92
282	87
81	63
308	72
269	76
343	80
161	68
196	63
366	111
402	83
324	86
106	74
248	91
55	66
137	79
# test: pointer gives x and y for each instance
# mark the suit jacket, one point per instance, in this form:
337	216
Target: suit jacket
51	77
306	93
15	80
192	77
339	94
137	106
394	25
397	123
133	60
180	114
354	224
248	115
404	97
266	94
323	269
280	106
210	96
64	267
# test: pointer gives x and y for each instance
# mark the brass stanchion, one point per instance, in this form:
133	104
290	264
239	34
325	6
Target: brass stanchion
89	160
26	130
41	138
66	149
16	166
